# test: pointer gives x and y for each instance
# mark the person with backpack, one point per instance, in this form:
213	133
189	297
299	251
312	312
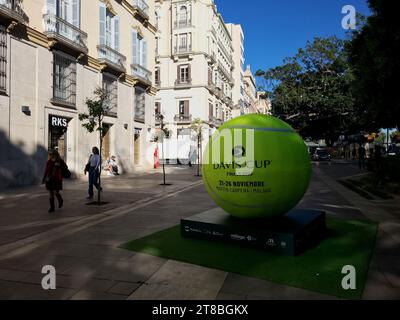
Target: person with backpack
55	170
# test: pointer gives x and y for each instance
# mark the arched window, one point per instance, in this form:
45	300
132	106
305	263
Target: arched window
183	14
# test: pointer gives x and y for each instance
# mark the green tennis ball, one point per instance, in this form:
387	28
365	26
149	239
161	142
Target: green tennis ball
256	166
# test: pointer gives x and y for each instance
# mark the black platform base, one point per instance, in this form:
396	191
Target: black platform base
291	234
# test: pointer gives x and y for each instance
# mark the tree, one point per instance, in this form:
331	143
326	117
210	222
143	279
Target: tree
395	136
162	135
312	90
93	120
197	127
374	57
260	74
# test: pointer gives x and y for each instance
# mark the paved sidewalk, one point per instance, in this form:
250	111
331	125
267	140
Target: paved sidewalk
90	265
24	211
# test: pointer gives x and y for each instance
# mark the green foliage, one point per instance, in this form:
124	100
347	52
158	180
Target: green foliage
96	110
395	136
380	139
374	57
312	90
197	127
164	132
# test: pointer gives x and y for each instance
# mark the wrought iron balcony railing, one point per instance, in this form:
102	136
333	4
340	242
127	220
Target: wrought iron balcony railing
111	57
66	32
226	73
12	9
141	72
183	118
227	54
179	24
185	83
212	58
142	7
183	49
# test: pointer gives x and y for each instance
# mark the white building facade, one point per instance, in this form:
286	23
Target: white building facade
194	63
238	94
250	92
53	54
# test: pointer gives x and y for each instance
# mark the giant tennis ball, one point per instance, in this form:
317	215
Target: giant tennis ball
256	166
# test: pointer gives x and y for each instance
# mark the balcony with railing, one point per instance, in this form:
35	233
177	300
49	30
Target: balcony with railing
112	58
141	72
215	121
227	54
142	8
227	100
60	30
12	9
212	87
183	83
214	32
225	72
183	49
183	118
212	58
180	24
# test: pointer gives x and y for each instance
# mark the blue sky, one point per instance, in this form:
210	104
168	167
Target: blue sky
275	29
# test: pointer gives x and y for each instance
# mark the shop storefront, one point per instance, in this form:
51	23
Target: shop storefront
58	127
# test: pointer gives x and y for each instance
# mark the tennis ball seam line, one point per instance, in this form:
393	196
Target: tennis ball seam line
262	129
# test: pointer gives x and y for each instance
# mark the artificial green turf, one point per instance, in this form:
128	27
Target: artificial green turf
319	269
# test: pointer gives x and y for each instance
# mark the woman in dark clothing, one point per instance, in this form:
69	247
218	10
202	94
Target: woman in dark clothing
53	178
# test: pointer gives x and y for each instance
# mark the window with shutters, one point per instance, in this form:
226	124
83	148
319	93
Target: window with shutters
181	107
110	84
184	107
182	16
210	76
140	104
66	10
183	43
210	111
183	112
139	56
64	79
3	59
158	108
109	29
184	74
109	41
62	21
157	79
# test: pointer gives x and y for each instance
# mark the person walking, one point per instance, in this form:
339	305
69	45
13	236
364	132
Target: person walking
93	168
52	178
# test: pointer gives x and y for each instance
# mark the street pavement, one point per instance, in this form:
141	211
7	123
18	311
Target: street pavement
81	241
